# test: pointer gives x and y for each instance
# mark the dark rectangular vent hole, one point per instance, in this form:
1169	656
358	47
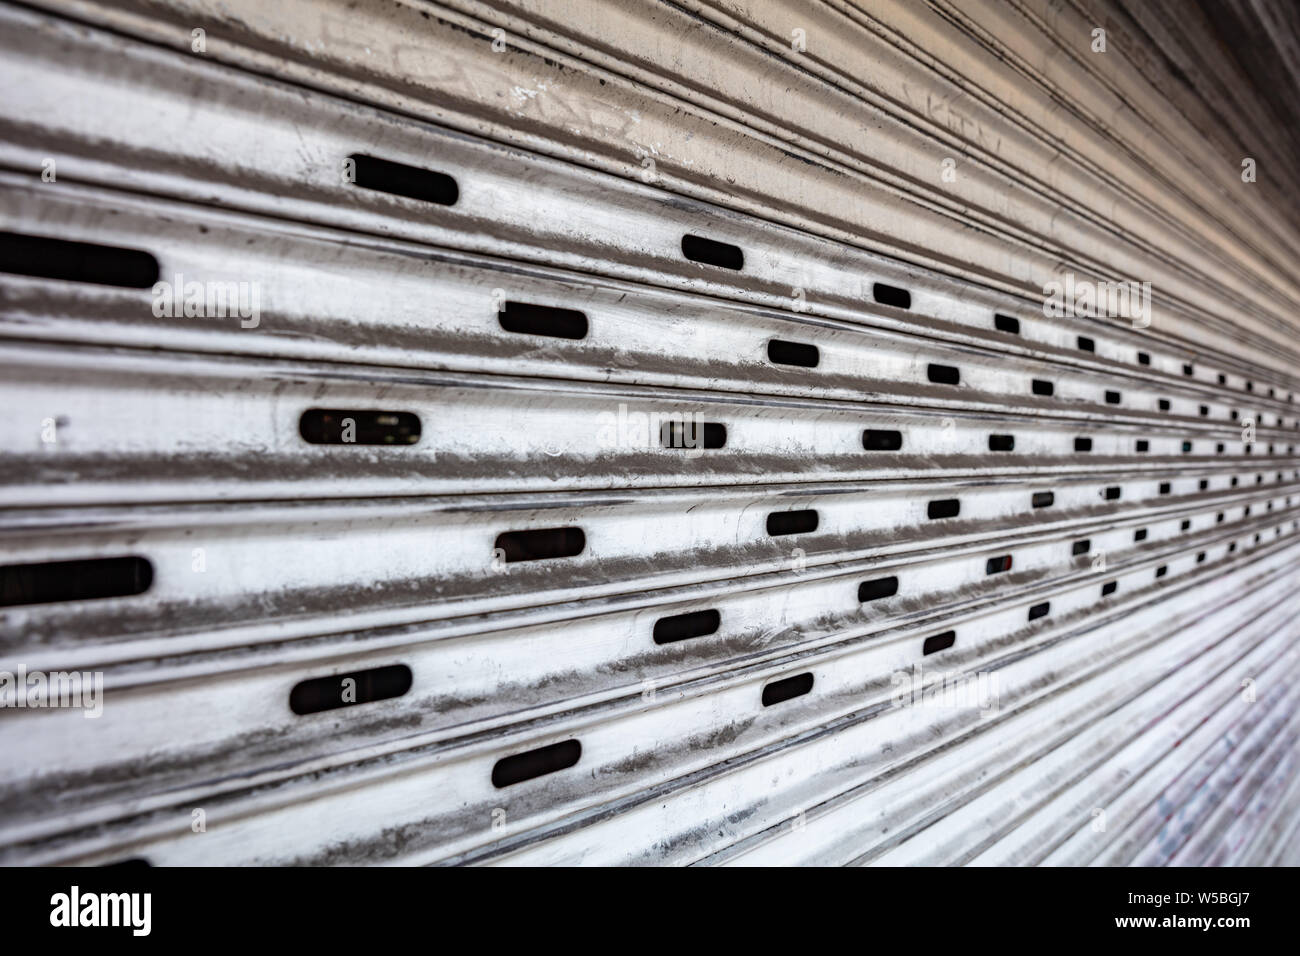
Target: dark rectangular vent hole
541	544
1140	534
1112	492
691	434
882	439
1083	444
362	426
891	295
535	763
1200	557
1081	547
1164	404
1205	410
793	353
683	627
1086	344
1043	499
711	252
939	642
788	688
877	589
1187	369
86	579
944	508
1164	487
1039	610
1185	525
1002	442
943	374
998	565
399	179
347	690
1109	588
1112	398
1144	358
1006	323
525	318
1187	448
792	522
1143	445
70	261
1162	571
1042	387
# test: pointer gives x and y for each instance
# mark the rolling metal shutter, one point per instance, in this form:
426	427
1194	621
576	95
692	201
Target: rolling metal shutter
718	490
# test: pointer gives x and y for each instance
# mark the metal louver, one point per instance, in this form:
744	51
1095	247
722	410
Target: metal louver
557	433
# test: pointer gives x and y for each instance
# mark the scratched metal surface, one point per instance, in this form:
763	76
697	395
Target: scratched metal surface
1135	606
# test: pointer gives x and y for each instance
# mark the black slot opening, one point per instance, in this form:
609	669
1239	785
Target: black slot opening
362	426
1039	610
1083	444
1109	588
541	544
891	295
1112	492
1043	387
1081	547
330	693
711	252
1164	487
683	627
998	565
525	318
535	763
943	508
882	439
1002	442
1043	499
1006	323
792	522
1086	344
877	589
68	261
1112	398
691	434
793	353
1140	534
1163	404
1143	445
85	579
1144	358
399	179
939	642
787	688
1162	571
943	374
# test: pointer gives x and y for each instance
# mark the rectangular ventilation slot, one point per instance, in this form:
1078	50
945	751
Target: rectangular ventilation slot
1112	493
877	589
1187	448
683	627
1200	557
1187	523
1042	387
67	261
943	374
348	690
525	318
1140	534
1187	370
1005	323
793	353
1043	499
693	434
1143	446
541	544
1205	410
789	688
531	764
1081	547
363	426
943	508
998	565
1086	344
1039	610
939	642
891	295
1109	588
1144	358
1164	488
399	179
1162	571
86	579
711	252
1083	444
791	522
882	439
1112	398
1163	404
1002	442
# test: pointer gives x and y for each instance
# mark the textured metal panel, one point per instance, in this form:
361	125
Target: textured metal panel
935	577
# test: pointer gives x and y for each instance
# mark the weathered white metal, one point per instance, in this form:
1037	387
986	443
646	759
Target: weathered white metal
741	506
